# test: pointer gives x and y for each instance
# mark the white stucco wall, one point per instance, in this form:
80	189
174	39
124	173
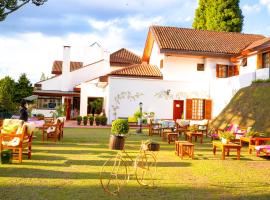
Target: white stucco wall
90	89
126	93
156	56
263	73
251	65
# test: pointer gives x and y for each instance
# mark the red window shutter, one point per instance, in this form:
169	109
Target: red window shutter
230	71
189	109
208	109
236	70
217	71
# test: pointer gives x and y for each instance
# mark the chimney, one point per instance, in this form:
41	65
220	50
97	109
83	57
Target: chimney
66	60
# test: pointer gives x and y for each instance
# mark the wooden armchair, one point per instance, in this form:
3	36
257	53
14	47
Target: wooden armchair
155	128
52	131
20	142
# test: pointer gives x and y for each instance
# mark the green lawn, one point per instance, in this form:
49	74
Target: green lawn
70	170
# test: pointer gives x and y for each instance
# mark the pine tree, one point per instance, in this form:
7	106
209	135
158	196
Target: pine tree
200	16
23	88
219	15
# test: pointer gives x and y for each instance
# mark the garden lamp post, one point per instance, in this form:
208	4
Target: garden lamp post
140	128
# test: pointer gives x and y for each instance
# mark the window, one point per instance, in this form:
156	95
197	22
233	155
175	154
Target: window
48	102
200	67
161	64
266	59
244	62
198	109
224	71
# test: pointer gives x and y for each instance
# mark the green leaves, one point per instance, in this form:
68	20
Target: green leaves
219	15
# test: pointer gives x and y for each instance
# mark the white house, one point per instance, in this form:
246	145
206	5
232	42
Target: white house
183	73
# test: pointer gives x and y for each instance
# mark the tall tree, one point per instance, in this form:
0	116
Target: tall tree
23	88
7	89
9	6
200	16
219	15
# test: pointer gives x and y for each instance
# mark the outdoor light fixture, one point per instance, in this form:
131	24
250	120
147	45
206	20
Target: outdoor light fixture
140	128
168	92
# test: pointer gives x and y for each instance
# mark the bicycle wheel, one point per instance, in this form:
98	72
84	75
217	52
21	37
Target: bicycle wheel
145	169
114	175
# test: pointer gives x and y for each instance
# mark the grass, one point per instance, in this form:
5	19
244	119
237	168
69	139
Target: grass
249	107
70	170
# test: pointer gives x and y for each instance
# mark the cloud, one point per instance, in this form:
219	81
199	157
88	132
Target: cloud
102	24
265	3
140	22
34	53
251	8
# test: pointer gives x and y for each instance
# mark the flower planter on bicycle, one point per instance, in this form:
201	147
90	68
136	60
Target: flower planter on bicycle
116	171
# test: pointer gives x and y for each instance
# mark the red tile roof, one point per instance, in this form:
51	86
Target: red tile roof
57	66
139	70
124	57
258	43
201	42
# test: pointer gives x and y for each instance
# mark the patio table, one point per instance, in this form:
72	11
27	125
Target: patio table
226	148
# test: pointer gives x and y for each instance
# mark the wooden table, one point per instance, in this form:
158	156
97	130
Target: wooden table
190	134
172	136
183	148
226	148
257	141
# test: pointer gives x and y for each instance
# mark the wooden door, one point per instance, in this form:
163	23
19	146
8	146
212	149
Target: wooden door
68	108
178	109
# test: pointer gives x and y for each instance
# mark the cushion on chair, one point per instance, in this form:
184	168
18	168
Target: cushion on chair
51	129
11	125
12	143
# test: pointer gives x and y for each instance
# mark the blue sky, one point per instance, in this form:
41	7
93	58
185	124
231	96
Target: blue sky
33	37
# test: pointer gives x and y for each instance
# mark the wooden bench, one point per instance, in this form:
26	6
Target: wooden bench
195	134
172	136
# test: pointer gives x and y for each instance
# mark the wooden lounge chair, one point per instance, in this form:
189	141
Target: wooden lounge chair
52	131
154	128
20	142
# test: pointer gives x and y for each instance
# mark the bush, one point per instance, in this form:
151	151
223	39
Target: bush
97	119
103	120
79	118
261	81
138	115
85	119
132	119
120	127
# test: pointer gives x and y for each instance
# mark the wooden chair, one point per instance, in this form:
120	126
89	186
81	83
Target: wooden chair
20	142
48	120
52	131
62	123
154	128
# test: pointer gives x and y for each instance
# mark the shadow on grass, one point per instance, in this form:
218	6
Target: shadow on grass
72	191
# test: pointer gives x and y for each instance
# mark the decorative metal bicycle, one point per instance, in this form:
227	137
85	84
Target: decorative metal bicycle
115	172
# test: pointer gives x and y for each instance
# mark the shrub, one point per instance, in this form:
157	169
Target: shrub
85	118
91	118
79	118
120	127
132	119
261	81
138	115
103	120
97	119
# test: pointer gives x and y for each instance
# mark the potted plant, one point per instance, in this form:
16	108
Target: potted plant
103	120
79	120
85	119
252	133
91	120
97	119
119	129
226	136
